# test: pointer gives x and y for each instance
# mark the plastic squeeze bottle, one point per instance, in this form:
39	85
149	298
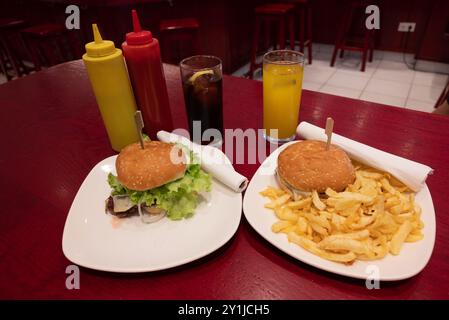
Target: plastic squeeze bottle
143	59
109	78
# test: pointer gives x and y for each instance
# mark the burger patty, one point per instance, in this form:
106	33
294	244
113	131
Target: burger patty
124	214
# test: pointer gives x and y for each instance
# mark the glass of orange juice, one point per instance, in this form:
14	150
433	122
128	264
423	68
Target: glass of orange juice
282	85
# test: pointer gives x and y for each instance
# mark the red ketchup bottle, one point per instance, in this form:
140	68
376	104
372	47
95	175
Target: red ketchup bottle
143	59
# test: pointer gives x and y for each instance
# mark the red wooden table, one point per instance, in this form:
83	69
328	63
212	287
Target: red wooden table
51	136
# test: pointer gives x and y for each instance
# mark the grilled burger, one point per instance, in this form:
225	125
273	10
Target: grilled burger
306	166
161	179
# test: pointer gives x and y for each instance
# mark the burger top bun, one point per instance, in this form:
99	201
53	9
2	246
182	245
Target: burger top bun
155	165
307	165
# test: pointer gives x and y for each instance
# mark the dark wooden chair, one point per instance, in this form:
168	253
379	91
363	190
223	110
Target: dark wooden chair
10	41
266	15
353	35
179	39
304	13
50	44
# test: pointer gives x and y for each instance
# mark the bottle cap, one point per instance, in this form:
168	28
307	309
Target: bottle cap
138	36
99	47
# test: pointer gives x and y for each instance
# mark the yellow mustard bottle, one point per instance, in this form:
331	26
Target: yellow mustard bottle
109	78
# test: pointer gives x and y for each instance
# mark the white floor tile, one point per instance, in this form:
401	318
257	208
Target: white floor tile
392	65
323	55
319	63
321	59
396	56
394	71
387	87
356	55
378	54
348	80
315	47
432	66
405	76
425	93
318	73
353	63
356	72
339	91
419	105
430	79
384	99
310	85
348	61
323	47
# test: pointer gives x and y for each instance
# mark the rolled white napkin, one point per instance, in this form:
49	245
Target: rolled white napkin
411	173
212	160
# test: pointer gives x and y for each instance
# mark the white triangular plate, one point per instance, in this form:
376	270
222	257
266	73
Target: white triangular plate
412	259
91	240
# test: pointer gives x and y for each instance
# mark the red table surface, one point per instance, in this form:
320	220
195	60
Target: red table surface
52	135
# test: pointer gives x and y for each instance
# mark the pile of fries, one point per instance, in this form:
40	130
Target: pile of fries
374	216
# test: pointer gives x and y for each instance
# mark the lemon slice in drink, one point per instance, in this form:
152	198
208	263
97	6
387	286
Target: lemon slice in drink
198	74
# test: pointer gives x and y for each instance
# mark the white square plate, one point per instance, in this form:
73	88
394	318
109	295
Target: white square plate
412	259
91	239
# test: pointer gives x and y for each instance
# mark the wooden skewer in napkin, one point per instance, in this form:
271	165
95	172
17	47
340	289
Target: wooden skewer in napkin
213	161
411	173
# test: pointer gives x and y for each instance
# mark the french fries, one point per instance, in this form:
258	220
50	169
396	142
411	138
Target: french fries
374	216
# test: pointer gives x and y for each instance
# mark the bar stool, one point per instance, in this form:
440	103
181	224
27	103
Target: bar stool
50	42
304	10
174	33
347	41
279	13
9	42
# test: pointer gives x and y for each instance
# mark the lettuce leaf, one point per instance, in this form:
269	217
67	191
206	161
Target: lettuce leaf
179	198
117	187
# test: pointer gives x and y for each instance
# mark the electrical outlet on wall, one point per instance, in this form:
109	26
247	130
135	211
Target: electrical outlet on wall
406	26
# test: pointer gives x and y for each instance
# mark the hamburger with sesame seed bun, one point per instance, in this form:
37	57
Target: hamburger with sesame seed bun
306	165
160	179
142	169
